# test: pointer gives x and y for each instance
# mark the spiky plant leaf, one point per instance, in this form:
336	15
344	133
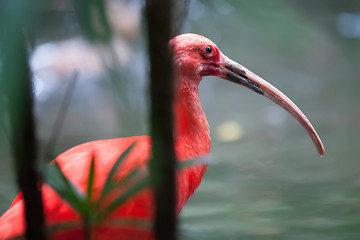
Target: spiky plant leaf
137	187
91	179
188	163
66	190
93	20
109	184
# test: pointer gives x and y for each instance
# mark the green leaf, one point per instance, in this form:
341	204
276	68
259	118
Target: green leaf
91	179
93	20
130	222
63	226
140	185
122	183
109	184
21	237
127	178
188	163
66	190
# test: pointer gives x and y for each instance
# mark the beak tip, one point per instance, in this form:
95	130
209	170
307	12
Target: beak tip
321	150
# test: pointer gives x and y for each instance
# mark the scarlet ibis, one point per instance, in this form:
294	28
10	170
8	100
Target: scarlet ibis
194	57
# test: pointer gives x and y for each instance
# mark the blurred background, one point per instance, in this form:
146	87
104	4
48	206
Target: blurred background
265	179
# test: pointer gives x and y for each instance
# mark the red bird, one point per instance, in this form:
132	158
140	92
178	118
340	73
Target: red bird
194	57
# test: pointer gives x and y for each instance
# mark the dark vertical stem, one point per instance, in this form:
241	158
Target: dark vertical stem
86	227
49	149
162	166
18	94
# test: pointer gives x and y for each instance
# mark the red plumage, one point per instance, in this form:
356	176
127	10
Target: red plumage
194	57
75	164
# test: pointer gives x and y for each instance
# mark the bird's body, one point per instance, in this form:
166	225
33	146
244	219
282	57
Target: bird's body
75	164
194	57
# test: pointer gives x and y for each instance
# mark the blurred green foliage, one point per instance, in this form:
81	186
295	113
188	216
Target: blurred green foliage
93	20
92	211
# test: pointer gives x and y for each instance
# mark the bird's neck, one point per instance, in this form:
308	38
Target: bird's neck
192	133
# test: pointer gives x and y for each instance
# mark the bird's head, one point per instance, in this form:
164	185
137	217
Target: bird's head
196	56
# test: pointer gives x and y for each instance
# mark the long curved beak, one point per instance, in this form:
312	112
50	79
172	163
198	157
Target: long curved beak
238	74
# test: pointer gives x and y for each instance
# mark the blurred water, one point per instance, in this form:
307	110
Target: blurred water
267	182
271	184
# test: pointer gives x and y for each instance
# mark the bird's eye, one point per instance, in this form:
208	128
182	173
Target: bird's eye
208	50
